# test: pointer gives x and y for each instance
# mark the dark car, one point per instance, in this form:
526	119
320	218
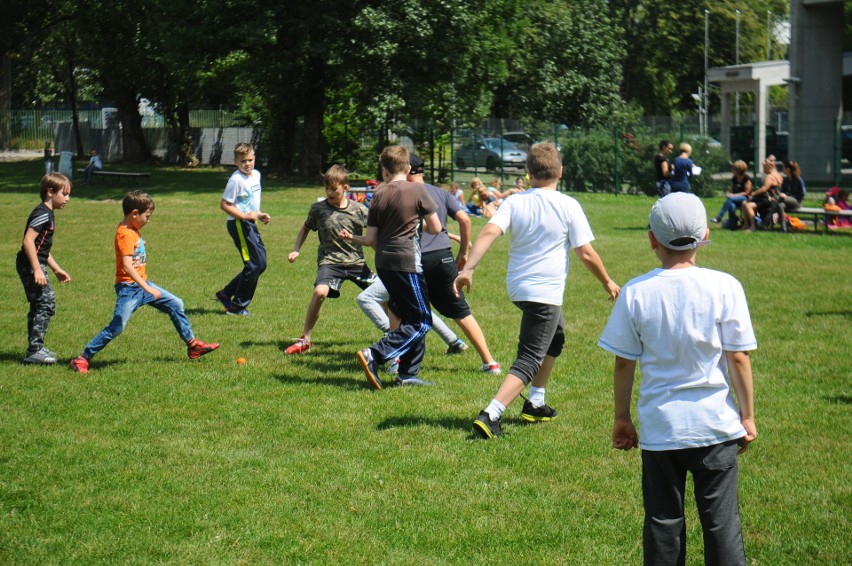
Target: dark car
490	154
742	143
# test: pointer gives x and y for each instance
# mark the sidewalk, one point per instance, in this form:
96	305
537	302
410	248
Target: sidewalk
10	155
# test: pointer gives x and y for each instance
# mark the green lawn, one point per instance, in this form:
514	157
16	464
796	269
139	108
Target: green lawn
155	458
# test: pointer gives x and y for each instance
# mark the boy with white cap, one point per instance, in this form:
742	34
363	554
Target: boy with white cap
689	327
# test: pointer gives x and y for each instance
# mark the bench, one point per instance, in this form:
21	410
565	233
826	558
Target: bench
819	215
118	176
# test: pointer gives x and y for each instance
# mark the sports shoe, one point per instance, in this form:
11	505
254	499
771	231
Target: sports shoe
370	367
300	346
238	312
196	348
716	220
393	367
80	364
457	347
493	368
408	380
41	356
226	302
485	427
538	414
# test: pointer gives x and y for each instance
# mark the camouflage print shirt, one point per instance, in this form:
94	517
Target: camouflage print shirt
328	221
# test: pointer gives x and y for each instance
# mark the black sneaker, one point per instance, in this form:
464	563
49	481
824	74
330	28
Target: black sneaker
485	427
538	414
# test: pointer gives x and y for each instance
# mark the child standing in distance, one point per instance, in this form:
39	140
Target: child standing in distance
543	224
133	289
338	260
32	262
689	327
396	212
241	202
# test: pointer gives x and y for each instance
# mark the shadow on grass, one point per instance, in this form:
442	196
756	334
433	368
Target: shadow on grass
335	380
839	399
205	310
450	423
828	313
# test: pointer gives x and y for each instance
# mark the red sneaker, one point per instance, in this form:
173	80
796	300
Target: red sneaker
196	348
79	364
300	346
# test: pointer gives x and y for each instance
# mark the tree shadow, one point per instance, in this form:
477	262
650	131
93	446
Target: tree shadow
343	382
449	423
828	313
204	310
838	399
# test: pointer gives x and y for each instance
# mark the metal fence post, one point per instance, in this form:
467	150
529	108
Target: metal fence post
452	156
837	146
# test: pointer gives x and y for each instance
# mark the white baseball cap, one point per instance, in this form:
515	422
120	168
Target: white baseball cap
679	221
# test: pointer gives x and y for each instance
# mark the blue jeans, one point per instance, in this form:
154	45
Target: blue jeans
731	205
129	297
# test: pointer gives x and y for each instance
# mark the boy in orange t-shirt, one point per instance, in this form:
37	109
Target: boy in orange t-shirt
133	289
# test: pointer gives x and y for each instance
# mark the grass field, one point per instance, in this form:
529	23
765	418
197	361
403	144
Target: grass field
152	458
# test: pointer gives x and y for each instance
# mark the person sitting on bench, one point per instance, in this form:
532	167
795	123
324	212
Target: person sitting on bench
95	164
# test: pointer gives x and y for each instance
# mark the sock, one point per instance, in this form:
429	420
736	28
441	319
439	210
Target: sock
495	409
536	396
191	342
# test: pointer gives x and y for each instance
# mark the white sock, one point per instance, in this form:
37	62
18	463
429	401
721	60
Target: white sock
536	396
495	409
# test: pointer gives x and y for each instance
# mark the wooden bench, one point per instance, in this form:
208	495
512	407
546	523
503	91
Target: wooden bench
819	215
118	176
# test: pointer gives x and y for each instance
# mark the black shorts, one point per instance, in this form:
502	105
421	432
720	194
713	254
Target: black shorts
335	275
440	271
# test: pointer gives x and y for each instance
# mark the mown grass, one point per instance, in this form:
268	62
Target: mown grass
153	458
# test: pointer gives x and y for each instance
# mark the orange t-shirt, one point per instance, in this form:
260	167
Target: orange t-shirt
129	242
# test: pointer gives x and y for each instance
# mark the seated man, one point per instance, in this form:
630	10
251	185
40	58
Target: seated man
95	163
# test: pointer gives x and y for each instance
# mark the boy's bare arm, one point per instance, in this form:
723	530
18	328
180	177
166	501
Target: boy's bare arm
432	225
127	264
624	436
300	239
487	235
368	239
229	208
60	273
464	238
32	255
739	368
590	258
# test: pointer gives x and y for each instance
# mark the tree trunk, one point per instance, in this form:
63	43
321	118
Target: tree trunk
311	163
6	100
132	136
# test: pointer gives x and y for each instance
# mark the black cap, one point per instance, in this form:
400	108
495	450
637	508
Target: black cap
418	167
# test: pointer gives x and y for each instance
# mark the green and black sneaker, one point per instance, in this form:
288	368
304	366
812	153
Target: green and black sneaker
538	414
485	427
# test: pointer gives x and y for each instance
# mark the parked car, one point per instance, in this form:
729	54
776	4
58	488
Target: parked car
491	154
524	140
742	143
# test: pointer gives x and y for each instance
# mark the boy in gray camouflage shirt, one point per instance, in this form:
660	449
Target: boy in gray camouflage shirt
338	260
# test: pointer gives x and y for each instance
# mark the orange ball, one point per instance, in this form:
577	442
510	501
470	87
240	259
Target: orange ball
241	360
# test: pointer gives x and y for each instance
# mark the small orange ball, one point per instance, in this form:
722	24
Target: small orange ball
241	361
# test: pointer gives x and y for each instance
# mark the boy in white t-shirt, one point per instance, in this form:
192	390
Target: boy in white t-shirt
241	202
543	225
690	330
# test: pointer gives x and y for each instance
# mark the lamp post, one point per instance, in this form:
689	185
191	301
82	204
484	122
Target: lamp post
768	35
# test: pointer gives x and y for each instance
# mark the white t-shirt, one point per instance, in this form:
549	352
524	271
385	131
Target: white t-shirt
543	226
243	192
678	323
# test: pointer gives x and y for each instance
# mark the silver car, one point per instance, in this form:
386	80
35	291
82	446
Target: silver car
491	154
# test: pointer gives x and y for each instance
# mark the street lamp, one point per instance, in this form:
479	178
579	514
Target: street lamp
737	94
706	90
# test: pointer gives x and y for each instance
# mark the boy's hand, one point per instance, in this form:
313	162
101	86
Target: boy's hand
154	293
263	217
613	289
62	276
40	277
294	255
751	434
624	436
463	282
345	234
461	260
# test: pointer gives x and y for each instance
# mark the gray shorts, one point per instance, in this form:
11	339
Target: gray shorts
335	275
542	334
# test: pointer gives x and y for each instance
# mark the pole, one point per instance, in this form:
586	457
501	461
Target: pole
617	175
768	35
737	94
706	67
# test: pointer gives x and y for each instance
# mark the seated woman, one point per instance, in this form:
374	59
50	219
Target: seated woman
761	201
455	191
495	192
741	186
682	168
792	192
480	199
